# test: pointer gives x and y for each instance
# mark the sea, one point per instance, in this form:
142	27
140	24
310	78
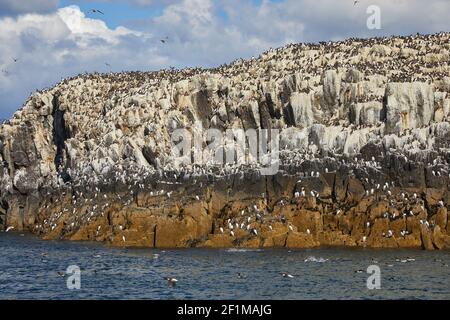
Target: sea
31	268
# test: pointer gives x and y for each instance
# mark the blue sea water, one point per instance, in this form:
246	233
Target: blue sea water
31	268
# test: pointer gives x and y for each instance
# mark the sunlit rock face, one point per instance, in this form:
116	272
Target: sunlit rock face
364	152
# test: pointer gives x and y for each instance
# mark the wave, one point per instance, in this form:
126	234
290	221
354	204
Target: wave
314	259
233	250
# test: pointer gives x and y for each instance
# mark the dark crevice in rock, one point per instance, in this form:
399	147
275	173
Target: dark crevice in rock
288	113
60	135
213	227
271	107
108	218
150	156
4	206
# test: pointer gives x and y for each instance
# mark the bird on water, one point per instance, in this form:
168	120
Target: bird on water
171	281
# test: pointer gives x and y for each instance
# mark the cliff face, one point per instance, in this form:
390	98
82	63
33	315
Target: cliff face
364	160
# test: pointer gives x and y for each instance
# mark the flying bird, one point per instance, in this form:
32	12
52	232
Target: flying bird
96	11
15	59
164	40
355	2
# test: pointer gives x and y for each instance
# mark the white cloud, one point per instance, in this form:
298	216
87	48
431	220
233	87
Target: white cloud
330	19
86	28
201	35
52	46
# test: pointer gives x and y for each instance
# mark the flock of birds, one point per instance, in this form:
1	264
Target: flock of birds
291	59
287	60
89	201
396	69
338	55
87	197
6	72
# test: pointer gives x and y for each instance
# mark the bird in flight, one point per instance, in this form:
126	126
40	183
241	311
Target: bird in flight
164	40
355	2
107	64
15	59
96	11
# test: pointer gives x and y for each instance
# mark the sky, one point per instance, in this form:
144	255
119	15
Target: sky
43	41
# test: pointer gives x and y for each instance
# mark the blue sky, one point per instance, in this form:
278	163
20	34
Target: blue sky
117	13
54	39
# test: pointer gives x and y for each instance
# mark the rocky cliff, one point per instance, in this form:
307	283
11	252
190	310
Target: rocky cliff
364	152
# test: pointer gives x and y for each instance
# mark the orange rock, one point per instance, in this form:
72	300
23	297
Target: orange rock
382	242
297	240
359	228
433	196
410	241
397	226
218	241
378	209
336	238
440	218
440	240
275	240
253	242
427	241
305	220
